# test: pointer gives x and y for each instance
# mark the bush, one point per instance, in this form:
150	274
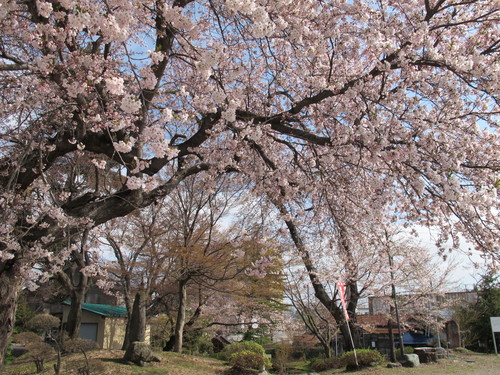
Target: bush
198	343
43	322
248	359
323	364
38	351
9	357
366	358
25	338
23	314
228	350
407	350
78	345
257	335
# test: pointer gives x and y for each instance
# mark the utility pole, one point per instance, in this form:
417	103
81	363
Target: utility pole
401	344
393	287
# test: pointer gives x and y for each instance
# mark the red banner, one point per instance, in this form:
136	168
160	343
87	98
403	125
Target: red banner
341	288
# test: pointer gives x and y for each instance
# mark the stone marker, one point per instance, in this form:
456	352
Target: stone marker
411	360
139	353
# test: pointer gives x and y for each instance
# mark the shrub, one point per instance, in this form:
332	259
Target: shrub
38	351
25	338
257	335
198	343
248	359
228	350
366	358
9	357
323	364
78	345
43	322
23	314
407	350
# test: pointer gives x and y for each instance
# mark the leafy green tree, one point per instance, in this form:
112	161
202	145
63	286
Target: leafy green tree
23	314
474	318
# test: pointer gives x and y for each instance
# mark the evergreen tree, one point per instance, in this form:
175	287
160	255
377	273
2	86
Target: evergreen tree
474	318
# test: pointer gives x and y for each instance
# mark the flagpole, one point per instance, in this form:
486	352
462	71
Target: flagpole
341	288
352	342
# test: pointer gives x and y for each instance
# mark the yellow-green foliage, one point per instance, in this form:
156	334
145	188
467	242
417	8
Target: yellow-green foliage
366	357
228	350
247	359
323	364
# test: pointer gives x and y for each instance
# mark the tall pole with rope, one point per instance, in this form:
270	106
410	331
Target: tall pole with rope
341	289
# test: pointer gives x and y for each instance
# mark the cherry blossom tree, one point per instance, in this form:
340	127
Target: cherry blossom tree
179	250
367	256
394	102
315	317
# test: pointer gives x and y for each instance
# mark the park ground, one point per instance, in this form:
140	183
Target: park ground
108	362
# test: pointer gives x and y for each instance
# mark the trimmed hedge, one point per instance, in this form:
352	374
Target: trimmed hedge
366	358
323	364
247	359
236	347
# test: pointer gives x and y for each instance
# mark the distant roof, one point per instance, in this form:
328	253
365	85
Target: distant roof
373	320
104	310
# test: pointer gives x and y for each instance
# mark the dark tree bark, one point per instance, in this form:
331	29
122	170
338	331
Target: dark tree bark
126	341
129	306
137	328
75	315
181	316
321	293
11	284
169	346
77	284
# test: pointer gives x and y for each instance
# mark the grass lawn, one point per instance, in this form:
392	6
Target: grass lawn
457	363
108	362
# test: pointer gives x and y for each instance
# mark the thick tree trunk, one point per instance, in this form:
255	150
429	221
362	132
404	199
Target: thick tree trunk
181	316
126	340
320	291
137	327
10	286
171	341
348	344
75	313
77	285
